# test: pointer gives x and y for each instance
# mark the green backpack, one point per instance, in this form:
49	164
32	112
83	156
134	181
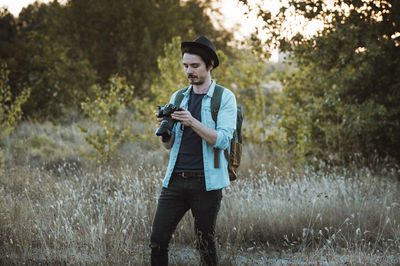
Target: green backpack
236	143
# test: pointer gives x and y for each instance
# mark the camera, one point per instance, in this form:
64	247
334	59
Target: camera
165	129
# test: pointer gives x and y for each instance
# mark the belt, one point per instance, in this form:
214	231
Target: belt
189	174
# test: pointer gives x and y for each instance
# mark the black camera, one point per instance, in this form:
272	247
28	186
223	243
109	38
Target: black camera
165	129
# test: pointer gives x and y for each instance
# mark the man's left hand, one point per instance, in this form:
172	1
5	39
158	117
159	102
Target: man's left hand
183	116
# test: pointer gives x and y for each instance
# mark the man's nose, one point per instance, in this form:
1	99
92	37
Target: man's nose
189	70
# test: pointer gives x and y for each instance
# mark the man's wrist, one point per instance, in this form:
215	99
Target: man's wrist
165	138
191	122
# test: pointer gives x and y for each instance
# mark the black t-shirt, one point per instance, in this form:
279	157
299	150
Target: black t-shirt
190	156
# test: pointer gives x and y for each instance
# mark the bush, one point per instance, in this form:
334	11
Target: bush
10	107
109	102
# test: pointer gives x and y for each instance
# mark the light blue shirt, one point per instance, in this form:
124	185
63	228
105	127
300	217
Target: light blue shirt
215	178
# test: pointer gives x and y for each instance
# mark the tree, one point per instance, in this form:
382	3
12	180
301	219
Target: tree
10	107
343	98
126	37
60	50
7	32
40	57
249	76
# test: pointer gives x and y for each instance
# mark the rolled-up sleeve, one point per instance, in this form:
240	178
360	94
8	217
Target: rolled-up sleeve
226	120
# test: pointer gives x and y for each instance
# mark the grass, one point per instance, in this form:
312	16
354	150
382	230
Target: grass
56	210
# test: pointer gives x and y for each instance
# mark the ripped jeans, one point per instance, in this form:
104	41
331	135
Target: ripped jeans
181	195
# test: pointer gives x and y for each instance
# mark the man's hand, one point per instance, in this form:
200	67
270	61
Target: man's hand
183	116
159	119
186	119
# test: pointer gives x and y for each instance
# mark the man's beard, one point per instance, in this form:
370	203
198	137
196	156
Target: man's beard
194	82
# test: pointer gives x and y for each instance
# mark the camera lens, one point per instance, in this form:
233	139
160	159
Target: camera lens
165	129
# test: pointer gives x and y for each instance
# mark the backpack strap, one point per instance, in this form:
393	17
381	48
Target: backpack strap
179	96
215	104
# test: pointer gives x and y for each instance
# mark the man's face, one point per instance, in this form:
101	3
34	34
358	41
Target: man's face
195	69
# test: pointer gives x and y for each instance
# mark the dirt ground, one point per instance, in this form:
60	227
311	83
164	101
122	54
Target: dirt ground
189	256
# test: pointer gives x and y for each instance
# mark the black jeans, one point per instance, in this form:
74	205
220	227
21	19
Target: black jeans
181	195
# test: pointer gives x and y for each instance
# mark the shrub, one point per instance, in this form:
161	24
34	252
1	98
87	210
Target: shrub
10	107
109	102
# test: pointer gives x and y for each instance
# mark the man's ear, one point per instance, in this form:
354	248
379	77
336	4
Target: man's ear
211	67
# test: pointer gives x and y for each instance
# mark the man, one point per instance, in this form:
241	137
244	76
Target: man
192	181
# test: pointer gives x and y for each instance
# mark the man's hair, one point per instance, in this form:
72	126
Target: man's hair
200	52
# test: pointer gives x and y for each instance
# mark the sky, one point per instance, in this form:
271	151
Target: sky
15	6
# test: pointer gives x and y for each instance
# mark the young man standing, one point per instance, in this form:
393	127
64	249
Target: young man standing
193	180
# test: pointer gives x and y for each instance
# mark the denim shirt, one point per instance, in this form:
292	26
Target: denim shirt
215	178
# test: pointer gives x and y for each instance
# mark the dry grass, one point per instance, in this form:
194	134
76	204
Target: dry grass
73	212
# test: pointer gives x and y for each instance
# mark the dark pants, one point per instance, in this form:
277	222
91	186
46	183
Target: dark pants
181	195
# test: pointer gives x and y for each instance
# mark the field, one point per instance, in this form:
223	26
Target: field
56	207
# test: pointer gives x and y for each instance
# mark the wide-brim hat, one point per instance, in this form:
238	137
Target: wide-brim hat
203	43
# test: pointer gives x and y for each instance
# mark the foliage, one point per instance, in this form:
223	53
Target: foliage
59	50
343	99
246	74
10	107
249	76
171	78
126	37
42	59
109	137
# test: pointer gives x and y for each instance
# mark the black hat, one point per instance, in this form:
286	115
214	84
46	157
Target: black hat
206	44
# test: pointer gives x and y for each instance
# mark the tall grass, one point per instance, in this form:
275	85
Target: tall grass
75	212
